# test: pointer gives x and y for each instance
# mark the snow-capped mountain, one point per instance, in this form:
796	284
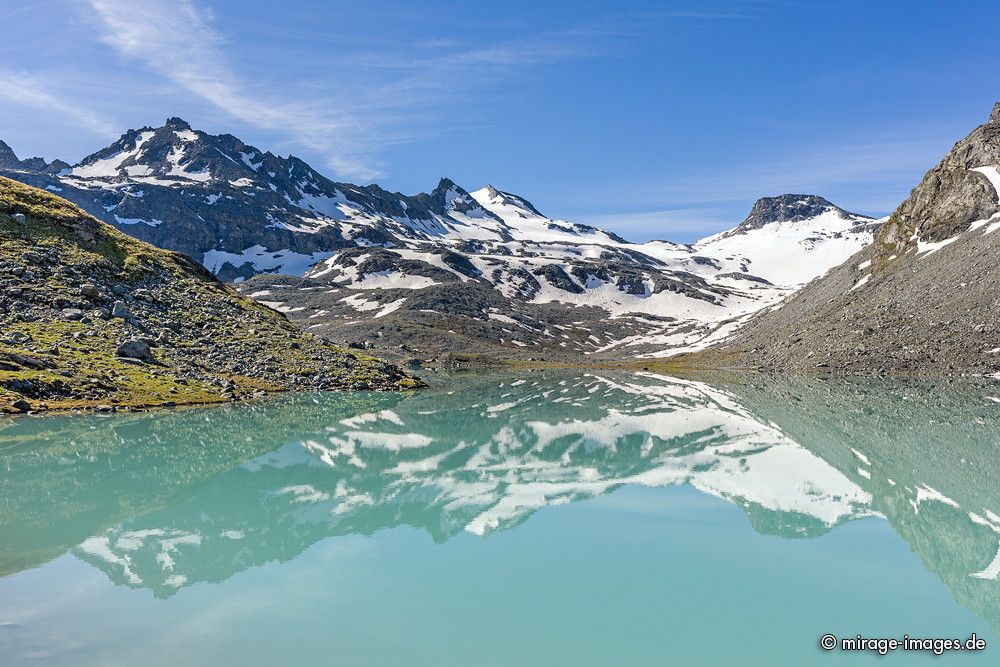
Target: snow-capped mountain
448	270
242	211
564	289
922	297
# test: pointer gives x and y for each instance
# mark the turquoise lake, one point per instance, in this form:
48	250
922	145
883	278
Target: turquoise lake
577	518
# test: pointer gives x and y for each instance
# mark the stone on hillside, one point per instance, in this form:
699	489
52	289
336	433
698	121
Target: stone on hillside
29	362
72	313
119	309
89	291
135	349
21	405
19	218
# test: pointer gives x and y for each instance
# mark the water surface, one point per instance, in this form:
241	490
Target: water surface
578	519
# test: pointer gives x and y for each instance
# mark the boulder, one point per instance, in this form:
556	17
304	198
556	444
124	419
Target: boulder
119	309
135	349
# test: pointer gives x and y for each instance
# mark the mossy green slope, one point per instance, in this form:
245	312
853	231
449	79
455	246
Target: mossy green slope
73	290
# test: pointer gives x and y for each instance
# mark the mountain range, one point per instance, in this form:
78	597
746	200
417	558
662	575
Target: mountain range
450	272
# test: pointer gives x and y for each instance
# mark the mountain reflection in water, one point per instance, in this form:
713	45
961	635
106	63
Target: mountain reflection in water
164	500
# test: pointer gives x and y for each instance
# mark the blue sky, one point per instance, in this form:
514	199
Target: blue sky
654	119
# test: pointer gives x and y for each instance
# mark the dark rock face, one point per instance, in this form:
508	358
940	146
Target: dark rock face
8	160
557	276
788	208
950	197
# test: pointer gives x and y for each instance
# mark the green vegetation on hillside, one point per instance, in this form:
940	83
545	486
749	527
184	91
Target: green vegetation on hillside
92	317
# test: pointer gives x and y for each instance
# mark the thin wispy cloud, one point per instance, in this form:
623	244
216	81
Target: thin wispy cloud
348	119
178	41
870	177
816	169
30	91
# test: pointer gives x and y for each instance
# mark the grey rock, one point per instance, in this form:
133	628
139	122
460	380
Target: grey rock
135	349
788	208
119	309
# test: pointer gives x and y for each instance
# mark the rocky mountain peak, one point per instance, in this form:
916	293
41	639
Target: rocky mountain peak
177	123
444	185
8	159
172	154
960	190
449	196
490	195
788	208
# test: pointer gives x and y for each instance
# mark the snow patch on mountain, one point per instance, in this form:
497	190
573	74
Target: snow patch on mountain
263	260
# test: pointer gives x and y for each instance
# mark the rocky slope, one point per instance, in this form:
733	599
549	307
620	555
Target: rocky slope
447	271
90	316
922	297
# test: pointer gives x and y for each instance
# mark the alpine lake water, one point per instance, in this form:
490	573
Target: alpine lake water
563	518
